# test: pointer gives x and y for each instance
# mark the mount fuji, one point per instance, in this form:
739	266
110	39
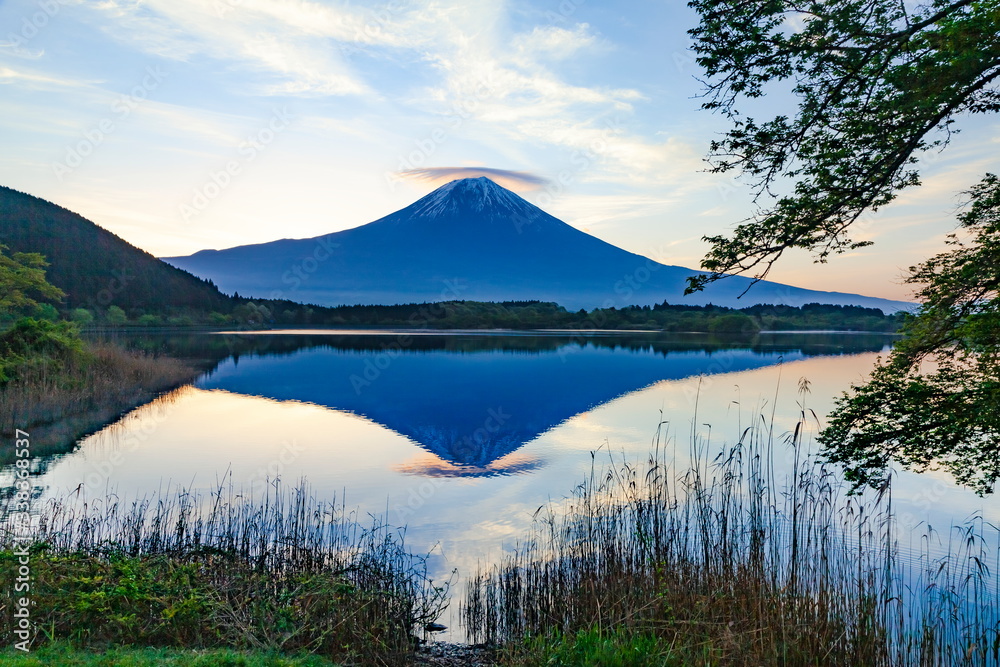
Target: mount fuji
474	240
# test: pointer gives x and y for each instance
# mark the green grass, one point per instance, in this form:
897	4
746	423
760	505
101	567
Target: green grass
64	654
593	647
195	600
284	573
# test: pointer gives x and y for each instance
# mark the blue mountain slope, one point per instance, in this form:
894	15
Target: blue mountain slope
473	239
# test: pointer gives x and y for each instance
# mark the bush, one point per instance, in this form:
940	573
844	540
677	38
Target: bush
41	343
82	316
46	311
116	315
733	323
150	320
29	336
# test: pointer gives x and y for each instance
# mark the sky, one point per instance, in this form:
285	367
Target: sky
182	125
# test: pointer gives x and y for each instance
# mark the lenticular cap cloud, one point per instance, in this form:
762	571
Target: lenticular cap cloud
513	180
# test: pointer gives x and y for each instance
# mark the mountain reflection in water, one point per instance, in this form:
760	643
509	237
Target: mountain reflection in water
472	400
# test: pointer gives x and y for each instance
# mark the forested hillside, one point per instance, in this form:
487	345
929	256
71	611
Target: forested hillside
97	269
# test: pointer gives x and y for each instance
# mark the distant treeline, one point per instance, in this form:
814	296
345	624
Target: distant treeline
247	313
664	316
539	315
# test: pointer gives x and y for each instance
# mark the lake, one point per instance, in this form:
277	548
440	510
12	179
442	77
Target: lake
461	437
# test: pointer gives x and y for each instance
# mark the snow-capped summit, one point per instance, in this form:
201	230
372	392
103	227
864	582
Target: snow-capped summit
466	195
475	240
468	201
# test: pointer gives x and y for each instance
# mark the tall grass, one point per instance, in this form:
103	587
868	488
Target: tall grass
284	572
106	374
84	392
727	561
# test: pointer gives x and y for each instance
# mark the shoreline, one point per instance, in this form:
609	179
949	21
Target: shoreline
374	331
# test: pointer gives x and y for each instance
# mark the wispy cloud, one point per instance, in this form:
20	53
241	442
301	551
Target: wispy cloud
509	81
23	77
514	180
512	86
286	41
554	42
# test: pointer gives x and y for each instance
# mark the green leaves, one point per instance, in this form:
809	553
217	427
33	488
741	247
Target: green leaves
877	84
38	344
941	418
935	403
22	276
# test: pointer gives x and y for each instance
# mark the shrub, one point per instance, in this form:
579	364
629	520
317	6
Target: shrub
46	311
733	323
38	343
116	315
150	320
82	316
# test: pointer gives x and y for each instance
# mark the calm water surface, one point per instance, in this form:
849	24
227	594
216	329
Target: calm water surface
462	437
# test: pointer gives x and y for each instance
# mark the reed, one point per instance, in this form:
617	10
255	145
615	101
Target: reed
727	561
105	379
284	572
